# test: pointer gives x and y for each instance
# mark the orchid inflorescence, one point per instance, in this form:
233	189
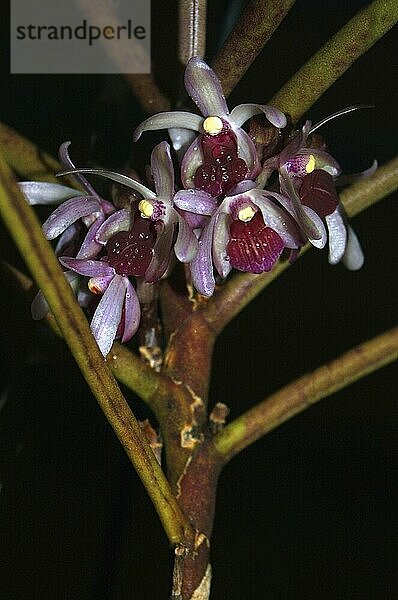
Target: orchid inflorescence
217	219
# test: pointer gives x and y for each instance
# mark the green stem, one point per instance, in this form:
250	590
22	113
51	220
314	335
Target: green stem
238	291
39	256
191	29
335	57
255	27
305	391
26	159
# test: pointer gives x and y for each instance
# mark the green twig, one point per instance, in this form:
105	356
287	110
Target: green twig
335	57
26	159
39	256
191	29
255	27
306	390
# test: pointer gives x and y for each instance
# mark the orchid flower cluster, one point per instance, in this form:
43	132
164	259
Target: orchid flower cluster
217	218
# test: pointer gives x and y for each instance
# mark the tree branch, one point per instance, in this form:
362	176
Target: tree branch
335	57
39	256
255	27
306	390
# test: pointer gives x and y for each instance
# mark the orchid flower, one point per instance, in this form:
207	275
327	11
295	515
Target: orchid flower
307	178
156	207
223	154
248	232
118	312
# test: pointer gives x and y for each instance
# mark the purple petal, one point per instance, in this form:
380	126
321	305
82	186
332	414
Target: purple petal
292	148
247	151
132	312
276	218
193	159
181	138
242	187
69	212
113	176
316	219
66	162
195	201
161	255
99	285
40	308
240	114
90	247
310	229
337	236
166	120
220	241
353	177
202	265
353	257
162	171
204	88
119	221
41	192
253	247
106	319
87	267
66	243
323	160
186	245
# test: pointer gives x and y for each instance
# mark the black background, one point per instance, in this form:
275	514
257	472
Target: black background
306	513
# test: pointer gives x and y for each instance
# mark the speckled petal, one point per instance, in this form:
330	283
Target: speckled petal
337	236
161	255
41	192
186	245
242	113
204	88
192	160
165	120
119	221
247	151
87	267
40	308
195	201
106	319
310	229
279	220
162	171
353	257
132	312
323	160
316	219
220	241
69	212
202	265
90	246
